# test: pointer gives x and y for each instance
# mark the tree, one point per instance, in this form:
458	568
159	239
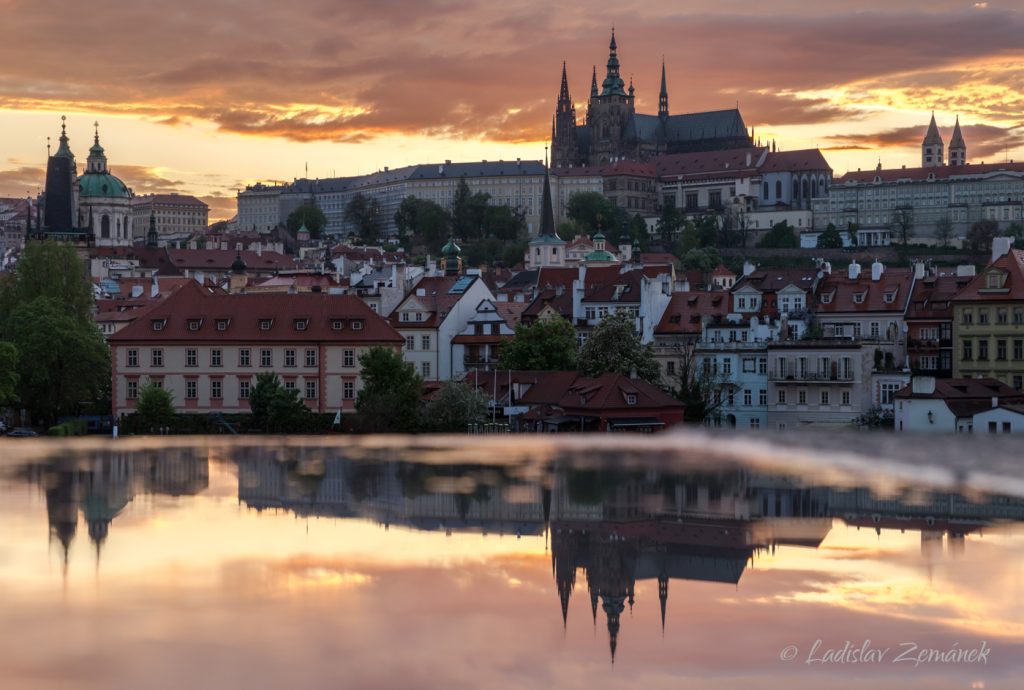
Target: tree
364	213
276	409
469	211
979	237
830	238
615	347
155	408
704	260
8	374
49	270
669	223
699	388
944	230
390	397
63	363
781	236
902	224
1016	231
567	230
636	231
591	211
548	344
503	223
310	215
424	222
455	407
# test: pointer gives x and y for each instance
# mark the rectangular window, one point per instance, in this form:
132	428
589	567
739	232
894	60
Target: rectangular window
762	365
782	396
1018	315
967	318
968	353
670	368
874	329
216	357
132	391
425	342
1001	350
983	316
156	357
1018	350
1001	315
982	349
191	357
310	357
755	423
348	358
311	390
762	397
727	365
746	396
216	386
191	389
289	385
266	358
289	358
410	342
243	357
348	390
425	369
824	398
133	358
846	397
1018	382
802	397
993	427
244	386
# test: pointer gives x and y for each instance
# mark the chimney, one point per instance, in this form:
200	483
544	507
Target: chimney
877	269
995	401
748	159
854	270
922	385
1001	247
748	268
965	271
918	270
259	249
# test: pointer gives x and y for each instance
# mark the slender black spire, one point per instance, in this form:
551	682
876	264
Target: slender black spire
663	597
547	214
663	96
152	239
593	84
613	84
563	93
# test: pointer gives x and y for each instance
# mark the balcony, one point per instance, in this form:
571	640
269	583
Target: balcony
809	377
929	344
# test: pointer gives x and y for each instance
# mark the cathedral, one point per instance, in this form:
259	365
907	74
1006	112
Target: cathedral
93	208
614	131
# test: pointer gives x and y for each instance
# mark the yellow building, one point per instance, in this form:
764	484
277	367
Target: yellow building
988	320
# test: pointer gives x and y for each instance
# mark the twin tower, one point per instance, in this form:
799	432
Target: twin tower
932	147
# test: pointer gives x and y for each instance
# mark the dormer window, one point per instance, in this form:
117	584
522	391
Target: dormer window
222	324
858	298
301	324
890	297
405	316
357	325
993	280
265	324
419	316
338	324
826	298
158	324
194	324
631	398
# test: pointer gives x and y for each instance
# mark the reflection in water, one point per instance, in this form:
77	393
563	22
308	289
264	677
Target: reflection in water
615	527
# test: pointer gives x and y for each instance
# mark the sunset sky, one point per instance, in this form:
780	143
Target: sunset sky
206	96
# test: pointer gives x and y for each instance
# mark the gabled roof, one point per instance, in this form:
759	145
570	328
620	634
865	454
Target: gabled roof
943	172
571	391
222	259
795	161
686	311
889	294
775	279
932	296
437	300
730	163
1012	266
963	389
245	312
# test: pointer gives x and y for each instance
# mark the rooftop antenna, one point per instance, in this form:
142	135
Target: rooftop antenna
47	147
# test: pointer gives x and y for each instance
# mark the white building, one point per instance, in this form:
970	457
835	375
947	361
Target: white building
930	405
259	207
178	216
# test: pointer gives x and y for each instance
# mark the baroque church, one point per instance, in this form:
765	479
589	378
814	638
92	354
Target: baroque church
90	209
614	131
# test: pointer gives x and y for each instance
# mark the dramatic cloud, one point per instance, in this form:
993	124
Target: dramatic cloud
983	141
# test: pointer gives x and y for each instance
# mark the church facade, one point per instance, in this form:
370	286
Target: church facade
613	131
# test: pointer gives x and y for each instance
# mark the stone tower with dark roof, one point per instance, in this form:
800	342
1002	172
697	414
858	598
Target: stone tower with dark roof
957	146
932	147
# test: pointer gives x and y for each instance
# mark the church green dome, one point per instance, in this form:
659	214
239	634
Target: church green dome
599	255
451	249
102	184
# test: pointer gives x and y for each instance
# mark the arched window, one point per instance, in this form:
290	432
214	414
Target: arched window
806	189
778	190
105	227
814	188
796	190
765	191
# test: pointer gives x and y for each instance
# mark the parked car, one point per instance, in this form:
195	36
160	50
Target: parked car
21	432
3	427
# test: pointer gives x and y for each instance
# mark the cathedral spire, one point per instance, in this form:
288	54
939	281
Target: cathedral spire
957	146
613	84
931	147
593	84
64	151
663	95
563	93
152	239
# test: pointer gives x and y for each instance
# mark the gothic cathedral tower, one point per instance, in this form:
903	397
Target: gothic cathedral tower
931	148
957	146
564	148
609	112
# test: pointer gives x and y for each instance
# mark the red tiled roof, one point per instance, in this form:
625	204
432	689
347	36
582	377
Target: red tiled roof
932	296
895	282
221	260
944	172
1012	289
573	392
963	389
560	302
300	280
246	311
631	168
686	311
803	159
732	162
775	279
657	259
722	271
512	312
437	300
